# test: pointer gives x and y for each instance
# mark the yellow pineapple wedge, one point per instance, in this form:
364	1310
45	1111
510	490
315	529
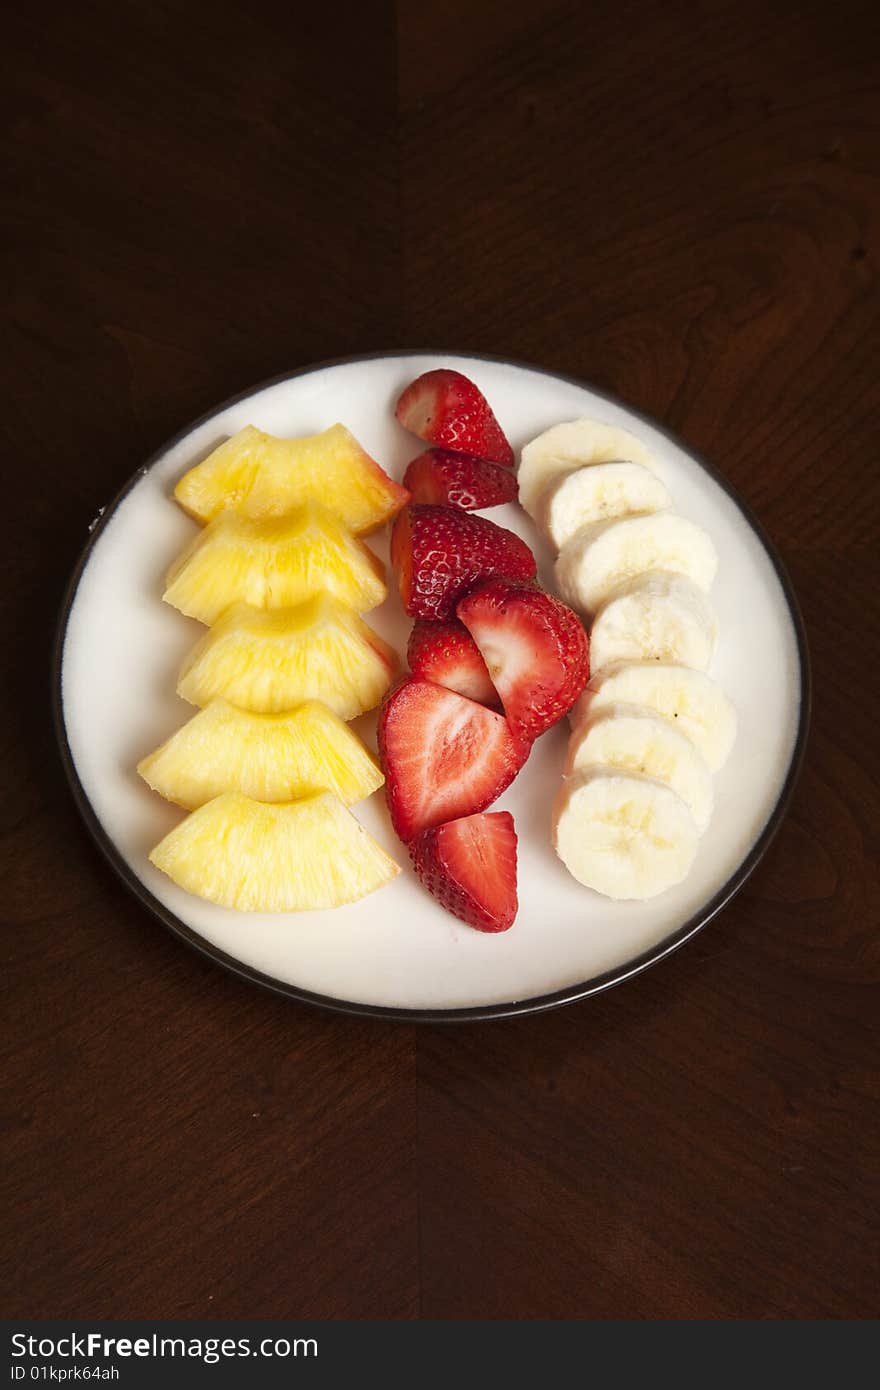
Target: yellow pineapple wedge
270	660
274	563
270	757
292	857
260	475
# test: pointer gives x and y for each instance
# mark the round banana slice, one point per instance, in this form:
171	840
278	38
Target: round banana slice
598	492
599	557
628	738
693	702
656	616
624	836
569	446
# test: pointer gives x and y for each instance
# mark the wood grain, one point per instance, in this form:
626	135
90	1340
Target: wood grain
676	201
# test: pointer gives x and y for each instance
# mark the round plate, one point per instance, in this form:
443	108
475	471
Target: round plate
397	953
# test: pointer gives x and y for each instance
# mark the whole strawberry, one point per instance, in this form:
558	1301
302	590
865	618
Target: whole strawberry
459	480
440	553
446	408
535	648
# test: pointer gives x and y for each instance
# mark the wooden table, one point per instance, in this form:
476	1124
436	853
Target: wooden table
676	201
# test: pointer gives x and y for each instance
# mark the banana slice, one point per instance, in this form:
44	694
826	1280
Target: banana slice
566	447
656	616
599	492
628	738
624	836
599	557
697	707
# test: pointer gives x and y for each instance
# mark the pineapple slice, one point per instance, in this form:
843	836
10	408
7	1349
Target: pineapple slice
269	660
274	563
246	855
260	475
271	757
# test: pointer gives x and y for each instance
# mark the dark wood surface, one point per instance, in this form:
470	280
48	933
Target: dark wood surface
678	201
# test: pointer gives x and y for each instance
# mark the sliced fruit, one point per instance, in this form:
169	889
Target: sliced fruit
469	865
624	836
274	659
447	654
446	408
628	738
294	857
656	616
443	756
439	553
598	492
598	558
535	649
569	446
459	480
271	757
697	706
274	563
259	476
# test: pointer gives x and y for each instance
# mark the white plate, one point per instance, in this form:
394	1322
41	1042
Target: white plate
120	648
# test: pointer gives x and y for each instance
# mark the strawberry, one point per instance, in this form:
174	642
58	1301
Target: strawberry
469	866
459	480
443	407
439	553
443	756
447	654
535	648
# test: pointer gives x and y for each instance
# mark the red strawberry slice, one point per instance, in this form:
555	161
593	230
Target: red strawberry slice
447	654
535	648
440	553
469	866
443	407
459	480
443	756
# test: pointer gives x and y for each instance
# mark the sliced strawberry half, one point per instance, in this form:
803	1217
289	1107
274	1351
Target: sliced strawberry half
447	654
469	865
459	480
446	408
443	756
440	553
535	648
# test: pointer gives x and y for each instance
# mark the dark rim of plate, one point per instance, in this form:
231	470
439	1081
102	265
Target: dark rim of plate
571	993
